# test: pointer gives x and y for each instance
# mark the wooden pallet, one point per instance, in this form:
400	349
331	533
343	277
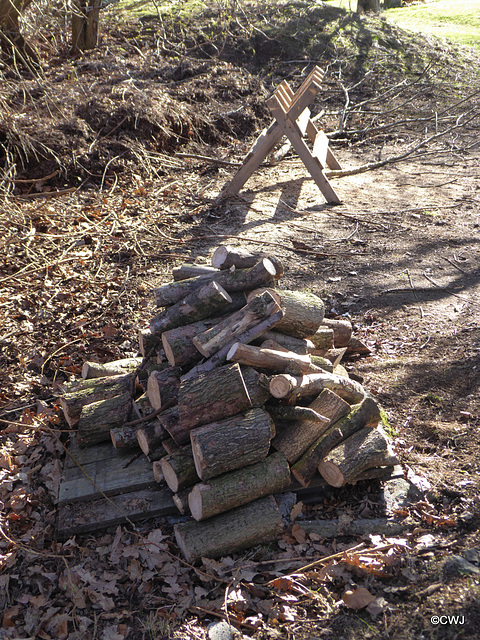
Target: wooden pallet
103	486
292	119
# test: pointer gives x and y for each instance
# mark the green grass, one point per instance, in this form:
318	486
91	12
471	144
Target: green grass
458	21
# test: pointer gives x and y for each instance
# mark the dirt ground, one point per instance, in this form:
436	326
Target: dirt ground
400	257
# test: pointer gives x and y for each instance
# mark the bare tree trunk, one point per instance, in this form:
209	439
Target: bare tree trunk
13	44
368	5
85	19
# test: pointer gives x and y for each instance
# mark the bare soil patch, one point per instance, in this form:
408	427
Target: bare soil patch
400	257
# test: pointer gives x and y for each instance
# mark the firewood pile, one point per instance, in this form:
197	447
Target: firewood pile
239	393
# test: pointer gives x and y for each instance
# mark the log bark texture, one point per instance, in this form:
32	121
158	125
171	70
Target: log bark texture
150	437
323	338
231	443
278	361
238	280
115	368
259	308
219	394
178	343
248	336
192	270
86	392
257	386
199	304
365	449
292	388
304	312
302	346
342	330
246	526
233	489
163	386
226	257
98	418
365	414
178	469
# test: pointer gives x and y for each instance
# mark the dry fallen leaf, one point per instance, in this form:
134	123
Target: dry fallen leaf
358	599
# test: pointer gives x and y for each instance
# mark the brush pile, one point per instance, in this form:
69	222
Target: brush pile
239	393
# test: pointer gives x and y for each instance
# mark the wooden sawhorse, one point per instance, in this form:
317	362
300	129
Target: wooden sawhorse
292	119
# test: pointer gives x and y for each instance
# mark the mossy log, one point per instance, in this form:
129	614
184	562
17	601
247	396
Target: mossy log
244	527
233	489
365	414
218	394
232	443
98	418
363	450
323	338
84	392
342	330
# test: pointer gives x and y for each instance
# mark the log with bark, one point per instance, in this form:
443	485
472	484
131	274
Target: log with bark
232	443
363	450
163	386
178	469
192	270
247	336
302	346
304	312
246	526
239	280
365	414
180	500
84	392
233	489
258	309
342	330
278	361
170	421
257	386
150	437
226	257
178	343
357	346
199	304
98	418
323	338
115	368
218	394
291	387
295	438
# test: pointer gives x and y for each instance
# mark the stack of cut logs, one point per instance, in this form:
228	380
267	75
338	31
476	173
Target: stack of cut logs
239	393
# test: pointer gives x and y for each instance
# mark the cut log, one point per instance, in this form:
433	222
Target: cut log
163	386
142	406
239	280
192	270
278	361
115	368
180	500
148	342
225	257
233	489
322	363
365	449
246	526
259	308
323	338
157	471
302	346
334	355
170	421
294	439
304	312
231	443
342	331
178	344
157	453
290	413
198	305
273	346
365	414
257	386
151	436
357	346
291	387
248	336
219	394
85	392
170	445
178	469
98	418
124	437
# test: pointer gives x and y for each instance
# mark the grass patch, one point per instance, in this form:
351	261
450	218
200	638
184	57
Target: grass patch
456	21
